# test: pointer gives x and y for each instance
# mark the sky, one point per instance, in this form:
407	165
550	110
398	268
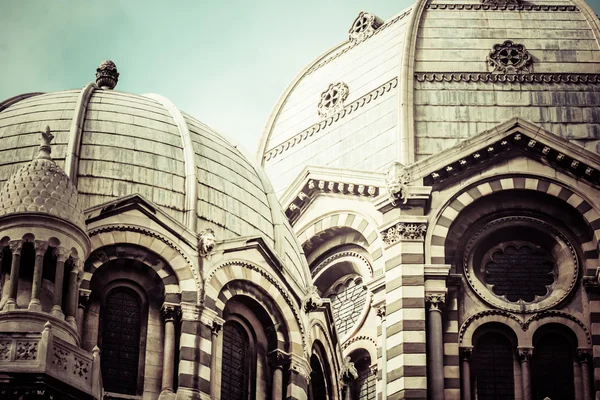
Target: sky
225	62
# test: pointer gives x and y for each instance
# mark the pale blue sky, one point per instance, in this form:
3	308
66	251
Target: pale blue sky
225	62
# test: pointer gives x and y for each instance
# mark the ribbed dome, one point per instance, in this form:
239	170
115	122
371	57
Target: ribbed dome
42	187
114	144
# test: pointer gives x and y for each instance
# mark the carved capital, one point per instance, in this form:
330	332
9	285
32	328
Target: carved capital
312	300
584	355
524	353
278	358
381	313
466	353
15	247
84	298
40	247
405	231
436	301
170	312
216	327
76	265
348	371
61	253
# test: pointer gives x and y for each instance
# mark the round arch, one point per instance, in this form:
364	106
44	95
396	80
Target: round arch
441	220
180	269
473	323
162	273
533	324
273	292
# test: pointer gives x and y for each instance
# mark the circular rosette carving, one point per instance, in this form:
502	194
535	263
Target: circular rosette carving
520	264
333	99
510	58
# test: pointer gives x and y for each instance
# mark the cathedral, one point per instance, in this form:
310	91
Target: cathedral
421	221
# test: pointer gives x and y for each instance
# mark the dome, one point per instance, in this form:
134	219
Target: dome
432	76
114	144
42	187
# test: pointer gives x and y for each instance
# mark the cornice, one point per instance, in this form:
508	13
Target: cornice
319	126
501	7
489	77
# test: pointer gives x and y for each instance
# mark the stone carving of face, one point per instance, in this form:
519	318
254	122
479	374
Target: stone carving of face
207	242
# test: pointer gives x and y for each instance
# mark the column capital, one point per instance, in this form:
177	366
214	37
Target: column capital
84	297
76	265
300	365
40	247
61	253
170	311
584	355
466	353
15	246
436	301
524	353
381	312
278	358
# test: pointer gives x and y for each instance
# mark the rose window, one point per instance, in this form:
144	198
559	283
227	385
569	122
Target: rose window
332	99
363	27
520	264
510	57
519	271
361	24
347	303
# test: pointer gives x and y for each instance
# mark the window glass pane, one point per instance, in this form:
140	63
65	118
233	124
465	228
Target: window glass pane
494	368
121	320
553	368
234	370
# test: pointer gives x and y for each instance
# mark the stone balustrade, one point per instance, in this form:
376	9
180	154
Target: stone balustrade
42	353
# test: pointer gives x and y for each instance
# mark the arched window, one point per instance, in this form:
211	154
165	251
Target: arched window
494	367
318	387
365	385
121	324
552	364
235	368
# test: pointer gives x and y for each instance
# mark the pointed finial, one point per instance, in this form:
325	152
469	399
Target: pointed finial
107	75
44	150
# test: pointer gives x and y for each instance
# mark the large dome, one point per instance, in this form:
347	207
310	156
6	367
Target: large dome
143	144
432	76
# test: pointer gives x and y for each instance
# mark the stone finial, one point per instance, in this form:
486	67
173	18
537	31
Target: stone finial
312	300
45	150
207	242
107	75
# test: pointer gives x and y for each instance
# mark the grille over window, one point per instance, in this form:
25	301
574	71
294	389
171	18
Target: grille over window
347	304
494	368
121	320
234	372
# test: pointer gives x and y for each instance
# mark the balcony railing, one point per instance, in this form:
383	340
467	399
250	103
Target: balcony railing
42	353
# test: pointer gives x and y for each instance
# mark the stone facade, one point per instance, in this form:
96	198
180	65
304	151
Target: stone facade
431	232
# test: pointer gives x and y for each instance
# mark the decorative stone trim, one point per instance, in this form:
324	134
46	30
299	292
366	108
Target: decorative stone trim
501	7
352	44
314	187
325	263
332	99
404	231
347	110
363	27
397	181
489	77
483	314
312	300
206	243
517	141
510	58
356	339
278	358
436	301
524	353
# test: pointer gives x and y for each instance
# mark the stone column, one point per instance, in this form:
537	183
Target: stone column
435	346
215	328
84	299
13	285
62	254
278	360
524	358
584	356
465	355
170	314
381	314
36	285
71	304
